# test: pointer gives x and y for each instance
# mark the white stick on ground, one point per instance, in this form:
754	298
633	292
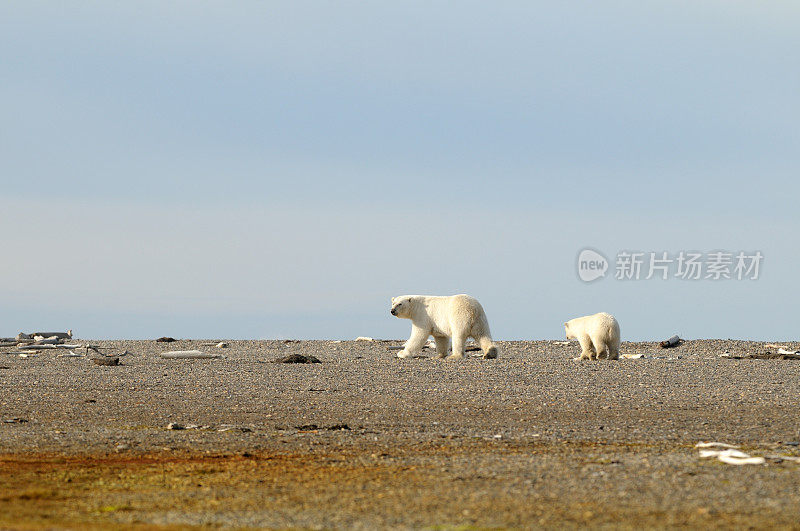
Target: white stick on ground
730	452
37	346
742	460
41	340
714	444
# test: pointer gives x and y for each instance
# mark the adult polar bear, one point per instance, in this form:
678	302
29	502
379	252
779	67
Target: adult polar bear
458	317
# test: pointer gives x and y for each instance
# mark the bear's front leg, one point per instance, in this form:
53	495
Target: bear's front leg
415	342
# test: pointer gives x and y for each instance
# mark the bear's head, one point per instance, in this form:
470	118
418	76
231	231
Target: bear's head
401	306
570	334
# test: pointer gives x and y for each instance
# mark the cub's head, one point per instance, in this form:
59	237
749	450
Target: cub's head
401	306
570	333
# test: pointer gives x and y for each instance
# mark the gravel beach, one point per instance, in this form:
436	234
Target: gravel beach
365	440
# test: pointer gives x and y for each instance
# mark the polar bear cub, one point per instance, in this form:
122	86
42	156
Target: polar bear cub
458	317
598	334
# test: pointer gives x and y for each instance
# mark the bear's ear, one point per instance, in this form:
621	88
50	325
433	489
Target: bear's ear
566	324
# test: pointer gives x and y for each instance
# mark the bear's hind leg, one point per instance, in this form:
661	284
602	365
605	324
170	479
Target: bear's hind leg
442	344
601	349
613	351
458	347
488	347
587	350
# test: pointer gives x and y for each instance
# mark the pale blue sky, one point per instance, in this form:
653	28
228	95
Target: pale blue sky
281	169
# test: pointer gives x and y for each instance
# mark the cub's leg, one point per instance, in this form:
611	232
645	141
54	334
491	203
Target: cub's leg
415	342
442	344
459	342
587	350
613	351
601	349
488	348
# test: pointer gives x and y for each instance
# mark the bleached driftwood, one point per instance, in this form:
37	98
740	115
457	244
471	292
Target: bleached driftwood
36	347
188	355
39	346
714	445
784	351
8	343
59	335
729	454
41	340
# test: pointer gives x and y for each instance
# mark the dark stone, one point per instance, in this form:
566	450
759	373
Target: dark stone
165	339
297	358
106	360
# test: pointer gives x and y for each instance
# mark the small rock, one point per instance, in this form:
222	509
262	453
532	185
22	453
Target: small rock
123	447
243	429
106	360
175	426
166	339
298	358
222	344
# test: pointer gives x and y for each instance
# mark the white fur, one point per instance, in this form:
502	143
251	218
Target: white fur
456	317
598	334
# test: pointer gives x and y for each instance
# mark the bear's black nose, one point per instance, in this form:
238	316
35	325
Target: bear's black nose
393	311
